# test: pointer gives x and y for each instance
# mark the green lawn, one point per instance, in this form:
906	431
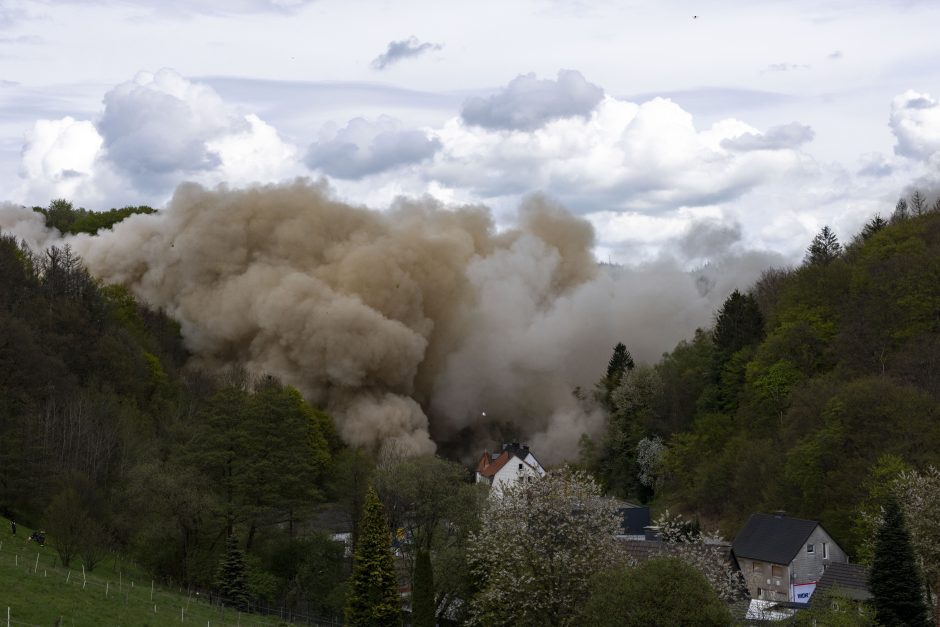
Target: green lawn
40	593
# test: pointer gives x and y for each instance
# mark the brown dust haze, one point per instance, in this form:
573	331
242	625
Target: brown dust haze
405	324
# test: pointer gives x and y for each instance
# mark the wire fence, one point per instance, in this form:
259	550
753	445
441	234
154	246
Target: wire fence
188	606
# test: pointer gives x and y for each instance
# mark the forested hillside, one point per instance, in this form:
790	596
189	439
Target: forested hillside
813	386
108	444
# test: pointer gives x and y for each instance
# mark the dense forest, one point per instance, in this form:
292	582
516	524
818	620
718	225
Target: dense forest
812	387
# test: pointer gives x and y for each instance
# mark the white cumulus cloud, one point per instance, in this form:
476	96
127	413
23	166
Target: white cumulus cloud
915	120
59	157
154	132
624	156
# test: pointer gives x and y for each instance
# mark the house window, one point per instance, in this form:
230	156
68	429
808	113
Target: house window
760	593
825	546
755	566
778	571
520	466
810	548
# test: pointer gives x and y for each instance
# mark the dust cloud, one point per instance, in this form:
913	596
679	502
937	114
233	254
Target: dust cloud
406	324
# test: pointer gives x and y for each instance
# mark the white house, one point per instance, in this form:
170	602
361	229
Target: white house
513	463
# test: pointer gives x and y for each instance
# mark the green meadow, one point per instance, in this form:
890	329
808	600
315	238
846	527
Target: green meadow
37	590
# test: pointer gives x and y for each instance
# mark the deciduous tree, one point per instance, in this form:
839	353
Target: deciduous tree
539	543
662	592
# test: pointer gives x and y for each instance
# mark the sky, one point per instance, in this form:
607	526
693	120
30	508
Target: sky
678	129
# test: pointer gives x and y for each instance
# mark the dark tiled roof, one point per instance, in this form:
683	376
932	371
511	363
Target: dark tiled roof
641	551
772	538
644	550
633	519
850	579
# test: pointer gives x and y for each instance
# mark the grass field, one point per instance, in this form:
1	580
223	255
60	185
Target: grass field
37	592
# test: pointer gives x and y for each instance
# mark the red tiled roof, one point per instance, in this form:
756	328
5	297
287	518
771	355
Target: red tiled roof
488	467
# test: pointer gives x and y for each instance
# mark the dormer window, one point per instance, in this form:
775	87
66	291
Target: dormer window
810	548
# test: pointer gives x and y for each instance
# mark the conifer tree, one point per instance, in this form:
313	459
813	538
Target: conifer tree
873	226
824	248
373	590
738	323
231	580
895	580
620	362
422	592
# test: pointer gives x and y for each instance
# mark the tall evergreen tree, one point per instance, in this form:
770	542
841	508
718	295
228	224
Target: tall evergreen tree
620	362
824	248
231	581
894	580
373	589
422	592
739	323
873	226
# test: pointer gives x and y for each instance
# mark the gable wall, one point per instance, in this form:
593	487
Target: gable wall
807	567
510	473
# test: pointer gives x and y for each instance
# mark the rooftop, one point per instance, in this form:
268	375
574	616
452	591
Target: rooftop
773	538
847	580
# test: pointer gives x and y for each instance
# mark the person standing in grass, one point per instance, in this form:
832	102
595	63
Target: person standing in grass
13	526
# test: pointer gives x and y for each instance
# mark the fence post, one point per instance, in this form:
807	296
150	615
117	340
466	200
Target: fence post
36	567
69	576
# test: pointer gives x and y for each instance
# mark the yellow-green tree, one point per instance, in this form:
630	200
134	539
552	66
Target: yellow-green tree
373	589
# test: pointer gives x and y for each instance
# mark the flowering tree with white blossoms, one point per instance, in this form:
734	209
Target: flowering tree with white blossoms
705	552
919	496
649	460
539	543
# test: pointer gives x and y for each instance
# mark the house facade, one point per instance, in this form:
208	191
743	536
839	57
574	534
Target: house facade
514	462
782	558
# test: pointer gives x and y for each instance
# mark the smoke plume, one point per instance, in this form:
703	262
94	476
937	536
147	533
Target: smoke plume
406	324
